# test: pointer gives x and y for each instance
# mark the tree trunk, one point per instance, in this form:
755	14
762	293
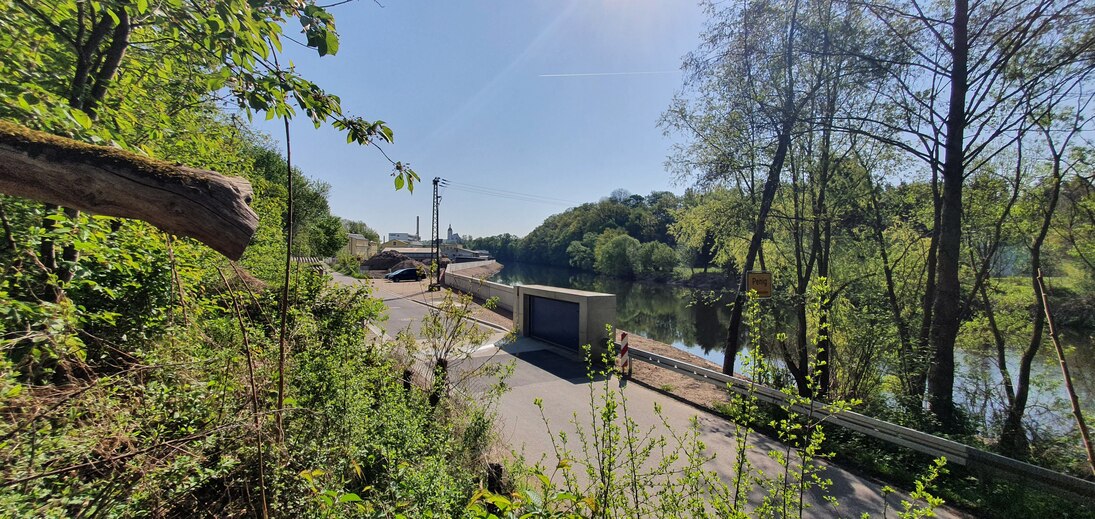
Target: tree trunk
919	374
113	59
907	356
1077	412
203	205
1013	439
823	238
771	184
733	339
824	354
945	309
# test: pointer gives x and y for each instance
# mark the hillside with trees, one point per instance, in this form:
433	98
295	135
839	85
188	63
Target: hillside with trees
623	235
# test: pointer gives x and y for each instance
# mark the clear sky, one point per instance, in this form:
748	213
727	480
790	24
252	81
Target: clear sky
557	98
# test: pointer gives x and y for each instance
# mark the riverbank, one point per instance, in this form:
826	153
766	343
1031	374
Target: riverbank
704	281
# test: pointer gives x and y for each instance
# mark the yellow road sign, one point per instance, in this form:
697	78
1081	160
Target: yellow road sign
761	281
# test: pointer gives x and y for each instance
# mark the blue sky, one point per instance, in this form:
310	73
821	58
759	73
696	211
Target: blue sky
470	88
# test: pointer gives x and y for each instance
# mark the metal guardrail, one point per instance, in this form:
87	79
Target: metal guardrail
972	458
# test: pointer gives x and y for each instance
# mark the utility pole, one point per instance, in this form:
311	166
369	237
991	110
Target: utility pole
435	242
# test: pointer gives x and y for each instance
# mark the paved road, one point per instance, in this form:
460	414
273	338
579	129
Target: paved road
403	310
565	388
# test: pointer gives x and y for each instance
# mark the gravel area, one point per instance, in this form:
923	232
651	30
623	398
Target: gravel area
483	272
687	388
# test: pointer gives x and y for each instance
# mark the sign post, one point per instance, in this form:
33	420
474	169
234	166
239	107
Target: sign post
760	281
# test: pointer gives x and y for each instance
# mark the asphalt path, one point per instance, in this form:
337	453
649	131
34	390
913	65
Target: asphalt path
565	389
404	312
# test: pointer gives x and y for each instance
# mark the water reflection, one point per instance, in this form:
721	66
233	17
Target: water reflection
696	321
690	319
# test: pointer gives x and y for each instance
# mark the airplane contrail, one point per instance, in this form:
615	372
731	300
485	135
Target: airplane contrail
591	74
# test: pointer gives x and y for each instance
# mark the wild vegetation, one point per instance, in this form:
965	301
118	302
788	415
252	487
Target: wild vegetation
919	165
142	374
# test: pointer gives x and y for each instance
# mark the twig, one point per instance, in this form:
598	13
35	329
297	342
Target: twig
284	306
90	464
175	276
51	408
254	298
9	237
254	394
1084	434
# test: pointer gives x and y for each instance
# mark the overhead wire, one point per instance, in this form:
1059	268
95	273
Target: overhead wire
505	194
461	184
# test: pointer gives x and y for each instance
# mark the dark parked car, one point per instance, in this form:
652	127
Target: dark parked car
409	274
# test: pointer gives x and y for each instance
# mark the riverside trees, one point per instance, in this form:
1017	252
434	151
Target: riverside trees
622	235
861	125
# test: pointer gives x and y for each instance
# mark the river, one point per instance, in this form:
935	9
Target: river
696	321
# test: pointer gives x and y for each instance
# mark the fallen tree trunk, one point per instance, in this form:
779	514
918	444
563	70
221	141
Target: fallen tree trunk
201	204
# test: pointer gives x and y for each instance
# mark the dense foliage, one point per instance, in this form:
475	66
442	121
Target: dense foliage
142	374
590	237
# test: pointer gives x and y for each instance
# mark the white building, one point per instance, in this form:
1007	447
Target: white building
453	237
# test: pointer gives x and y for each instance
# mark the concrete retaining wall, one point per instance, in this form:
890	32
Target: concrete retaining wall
457	267
480	288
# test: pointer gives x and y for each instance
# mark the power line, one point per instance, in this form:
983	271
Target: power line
461	184
511	197
506	194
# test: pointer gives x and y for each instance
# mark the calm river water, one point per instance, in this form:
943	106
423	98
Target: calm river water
696	321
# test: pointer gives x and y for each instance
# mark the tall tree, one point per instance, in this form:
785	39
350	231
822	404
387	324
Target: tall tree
955	92
745	89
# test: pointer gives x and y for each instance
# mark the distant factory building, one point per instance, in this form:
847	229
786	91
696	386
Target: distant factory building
403	236
359	245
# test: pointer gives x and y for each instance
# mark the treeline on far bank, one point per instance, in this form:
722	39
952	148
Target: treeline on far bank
624	235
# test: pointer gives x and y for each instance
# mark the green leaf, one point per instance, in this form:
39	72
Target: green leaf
81	118
399	182
349	498
499	501
27	99
331	39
